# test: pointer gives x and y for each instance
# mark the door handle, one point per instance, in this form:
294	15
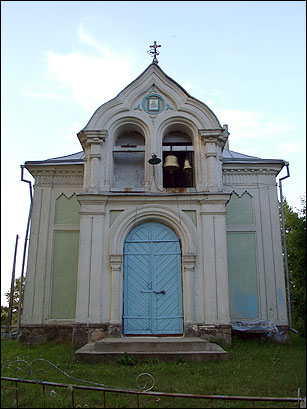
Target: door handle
153	291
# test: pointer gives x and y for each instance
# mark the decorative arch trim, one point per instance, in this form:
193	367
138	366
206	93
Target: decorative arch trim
178	123
129	123
126	221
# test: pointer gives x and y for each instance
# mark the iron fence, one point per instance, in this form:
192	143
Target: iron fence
145	383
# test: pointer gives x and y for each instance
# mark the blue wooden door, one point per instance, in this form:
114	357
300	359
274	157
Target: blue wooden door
152	281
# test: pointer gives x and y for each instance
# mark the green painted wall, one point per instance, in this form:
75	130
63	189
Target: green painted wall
113	215
192	214
240	210
64	274
242	272
67	210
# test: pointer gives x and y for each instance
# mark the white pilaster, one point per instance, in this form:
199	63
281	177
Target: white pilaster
89	287
116	264
215	270
188	285
93	144
214	141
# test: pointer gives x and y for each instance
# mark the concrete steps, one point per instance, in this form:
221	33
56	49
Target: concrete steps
142	348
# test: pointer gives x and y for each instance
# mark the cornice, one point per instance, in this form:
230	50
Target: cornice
56	171
217	135
251	171
92	136
58	176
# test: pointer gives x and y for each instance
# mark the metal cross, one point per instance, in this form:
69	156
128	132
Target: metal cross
154	52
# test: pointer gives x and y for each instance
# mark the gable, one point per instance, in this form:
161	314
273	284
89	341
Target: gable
151	95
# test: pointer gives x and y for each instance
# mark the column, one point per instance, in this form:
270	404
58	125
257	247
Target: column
39	247
188	285
213	140
116	287
92	142
94	166
215	269
89	287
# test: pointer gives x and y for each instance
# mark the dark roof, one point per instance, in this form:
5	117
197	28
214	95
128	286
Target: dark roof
74	159
228	157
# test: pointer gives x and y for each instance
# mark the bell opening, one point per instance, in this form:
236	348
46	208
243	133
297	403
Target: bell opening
174	173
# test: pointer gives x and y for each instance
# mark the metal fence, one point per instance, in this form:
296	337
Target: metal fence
145	383
9	332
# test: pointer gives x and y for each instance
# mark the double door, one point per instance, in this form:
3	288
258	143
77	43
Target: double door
152	281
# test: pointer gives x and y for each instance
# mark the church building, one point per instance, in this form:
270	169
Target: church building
155	228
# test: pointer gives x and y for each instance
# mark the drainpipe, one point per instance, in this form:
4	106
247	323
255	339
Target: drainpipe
285	247
24	248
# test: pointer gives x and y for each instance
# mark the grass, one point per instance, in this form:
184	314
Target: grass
254	368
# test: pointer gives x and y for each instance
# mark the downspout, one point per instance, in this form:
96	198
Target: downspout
24	248
285	248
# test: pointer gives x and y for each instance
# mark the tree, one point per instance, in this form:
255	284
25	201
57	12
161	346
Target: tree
295	226
4	314
15	304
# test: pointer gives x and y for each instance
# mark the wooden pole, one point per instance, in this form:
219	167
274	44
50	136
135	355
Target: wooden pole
10	313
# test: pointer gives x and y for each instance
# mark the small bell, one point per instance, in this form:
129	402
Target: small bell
187	166
171	163
154	159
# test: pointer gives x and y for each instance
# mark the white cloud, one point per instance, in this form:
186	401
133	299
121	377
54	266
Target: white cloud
251	125
87	39
93	79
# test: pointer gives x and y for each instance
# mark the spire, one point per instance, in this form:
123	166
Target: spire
154	52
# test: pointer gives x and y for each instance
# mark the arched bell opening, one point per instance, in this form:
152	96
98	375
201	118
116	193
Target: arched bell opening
129	159
178	160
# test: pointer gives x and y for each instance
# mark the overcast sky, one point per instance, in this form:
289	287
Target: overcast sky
62	60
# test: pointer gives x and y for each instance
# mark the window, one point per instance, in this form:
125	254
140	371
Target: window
178	160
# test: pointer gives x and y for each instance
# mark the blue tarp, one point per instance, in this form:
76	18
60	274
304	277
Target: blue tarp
265	327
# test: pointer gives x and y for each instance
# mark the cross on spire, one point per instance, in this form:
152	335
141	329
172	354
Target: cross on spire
154	52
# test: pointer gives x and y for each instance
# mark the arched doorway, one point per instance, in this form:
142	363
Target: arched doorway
152	281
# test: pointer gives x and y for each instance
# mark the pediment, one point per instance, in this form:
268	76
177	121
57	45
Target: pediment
153	94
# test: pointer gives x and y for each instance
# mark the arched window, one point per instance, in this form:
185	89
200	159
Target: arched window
129	159
178	160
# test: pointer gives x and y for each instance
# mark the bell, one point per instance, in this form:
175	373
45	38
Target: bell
154	159
187	166
171	163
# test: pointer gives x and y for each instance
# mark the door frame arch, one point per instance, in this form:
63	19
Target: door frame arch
185	231
154	246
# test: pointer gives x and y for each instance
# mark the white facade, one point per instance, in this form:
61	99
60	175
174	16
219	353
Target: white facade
114	189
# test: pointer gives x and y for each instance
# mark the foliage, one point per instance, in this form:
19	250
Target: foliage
4	314
295	226
15	304
125	359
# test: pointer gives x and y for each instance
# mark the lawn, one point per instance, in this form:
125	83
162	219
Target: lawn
254	368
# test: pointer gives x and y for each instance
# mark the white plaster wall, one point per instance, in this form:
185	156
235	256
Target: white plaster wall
37	297
261	185
100	299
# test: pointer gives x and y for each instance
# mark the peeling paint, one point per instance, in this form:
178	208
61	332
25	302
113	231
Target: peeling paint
281	298
246	305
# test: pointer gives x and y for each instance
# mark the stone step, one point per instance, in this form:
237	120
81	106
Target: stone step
142	348
151	344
